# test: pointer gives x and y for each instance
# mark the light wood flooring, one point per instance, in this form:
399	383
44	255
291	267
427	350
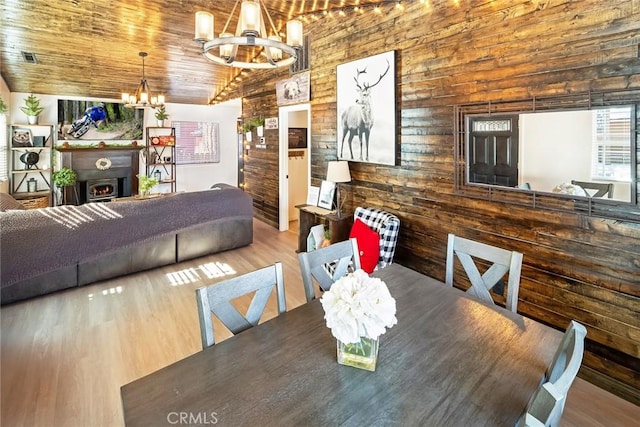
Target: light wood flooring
64	356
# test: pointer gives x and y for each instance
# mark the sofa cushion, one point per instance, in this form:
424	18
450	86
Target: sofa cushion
368	245
8	203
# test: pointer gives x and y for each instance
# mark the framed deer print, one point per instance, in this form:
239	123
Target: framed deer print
366	109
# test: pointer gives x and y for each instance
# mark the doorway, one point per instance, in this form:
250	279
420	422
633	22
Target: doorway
294	160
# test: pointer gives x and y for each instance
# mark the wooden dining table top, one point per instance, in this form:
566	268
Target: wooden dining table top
449	361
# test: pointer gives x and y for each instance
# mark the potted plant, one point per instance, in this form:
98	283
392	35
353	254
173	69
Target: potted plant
259	125
161	115
65	177
247	127
145	184
3	107
32	109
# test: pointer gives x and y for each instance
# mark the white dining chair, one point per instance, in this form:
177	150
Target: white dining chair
216	299
547	403
504	262
328	264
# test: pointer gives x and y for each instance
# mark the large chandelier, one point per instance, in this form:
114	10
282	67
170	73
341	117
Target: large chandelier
142	97
250	32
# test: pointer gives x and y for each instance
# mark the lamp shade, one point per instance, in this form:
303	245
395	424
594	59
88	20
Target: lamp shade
338	171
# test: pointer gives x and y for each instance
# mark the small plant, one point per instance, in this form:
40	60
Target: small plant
32	106
3	106
247	126
146	183
257	122
65	177
161	113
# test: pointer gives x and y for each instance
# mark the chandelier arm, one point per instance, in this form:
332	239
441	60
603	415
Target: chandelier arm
273	27
224	30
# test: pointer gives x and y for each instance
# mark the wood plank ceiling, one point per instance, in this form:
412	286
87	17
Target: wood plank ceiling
90	47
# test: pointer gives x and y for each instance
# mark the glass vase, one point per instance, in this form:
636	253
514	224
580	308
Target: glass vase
362	354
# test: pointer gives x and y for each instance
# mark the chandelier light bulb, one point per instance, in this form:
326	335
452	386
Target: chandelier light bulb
294	33
204	26
226	50
250	17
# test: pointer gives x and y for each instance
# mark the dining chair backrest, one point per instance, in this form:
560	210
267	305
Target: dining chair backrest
216	299
601	188
547	403
328	264
504	262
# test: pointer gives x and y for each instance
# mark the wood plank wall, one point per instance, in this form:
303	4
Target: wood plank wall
574	267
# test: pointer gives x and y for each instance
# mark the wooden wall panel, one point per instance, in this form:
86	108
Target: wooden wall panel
575	267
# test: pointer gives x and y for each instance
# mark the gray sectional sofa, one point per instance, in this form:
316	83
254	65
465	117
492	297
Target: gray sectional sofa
46	250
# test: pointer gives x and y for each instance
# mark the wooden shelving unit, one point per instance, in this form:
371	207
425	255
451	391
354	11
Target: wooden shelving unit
30	175
160	152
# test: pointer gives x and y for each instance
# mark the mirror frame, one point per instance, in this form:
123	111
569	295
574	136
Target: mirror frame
596	207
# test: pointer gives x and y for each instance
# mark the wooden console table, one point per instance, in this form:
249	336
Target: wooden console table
339	227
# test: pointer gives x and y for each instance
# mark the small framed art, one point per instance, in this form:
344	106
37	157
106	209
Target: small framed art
325	199
21	138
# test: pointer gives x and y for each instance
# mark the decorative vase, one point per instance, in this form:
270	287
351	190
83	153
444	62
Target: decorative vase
247	136
260	131
362	354
160	123
32	120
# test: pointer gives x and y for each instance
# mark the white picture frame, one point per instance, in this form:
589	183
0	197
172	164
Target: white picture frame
312	195
367	84
325	198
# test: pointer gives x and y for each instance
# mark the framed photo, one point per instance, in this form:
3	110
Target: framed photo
294	90
366	109
312	195
21	138
325	199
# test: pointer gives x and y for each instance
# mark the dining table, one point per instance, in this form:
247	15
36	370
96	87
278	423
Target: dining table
449	361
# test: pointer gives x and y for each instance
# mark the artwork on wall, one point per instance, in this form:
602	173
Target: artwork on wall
366	109
197	142
96	120
293	90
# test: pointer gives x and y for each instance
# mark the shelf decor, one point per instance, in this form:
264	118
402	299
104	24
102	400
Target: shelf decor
358	309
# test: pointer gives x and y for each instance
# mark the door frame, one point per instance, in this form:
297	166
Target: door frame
283	161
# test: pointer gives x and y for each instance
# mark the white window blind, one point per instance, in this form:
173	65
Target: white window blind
4	149
611	144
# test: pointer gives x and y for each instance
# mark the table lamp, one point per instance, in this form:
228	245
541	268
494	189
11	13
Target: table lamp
338	171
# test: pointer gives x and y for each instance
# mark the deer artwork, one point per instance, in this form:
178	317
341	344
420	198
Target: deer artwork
358	118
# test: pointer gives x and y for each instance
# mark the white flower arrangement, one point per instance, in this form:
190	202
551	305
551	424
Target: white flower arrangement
358	306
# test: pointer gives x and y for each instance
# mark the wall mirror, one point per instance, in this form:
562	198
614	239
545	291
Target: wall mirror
574	153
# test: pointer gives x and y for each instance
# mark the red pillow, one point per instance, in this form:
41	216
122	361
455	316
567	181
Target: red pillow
368	245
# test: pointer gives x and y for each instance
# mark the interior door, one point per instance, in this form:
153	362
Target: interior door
492	150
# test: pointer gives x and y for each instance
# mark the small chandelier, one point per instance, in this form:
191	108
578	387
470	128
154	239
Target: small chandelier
142	97
251	31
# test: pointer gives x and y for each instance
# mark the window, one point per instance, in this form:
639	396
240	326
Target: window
611	144
4	152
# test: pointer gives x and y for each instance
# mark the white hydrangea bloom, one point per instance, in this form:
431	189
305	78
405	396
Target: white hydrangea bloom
358	306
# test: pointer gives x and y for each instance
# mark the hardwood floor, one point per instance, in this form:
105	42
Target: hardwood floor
64	356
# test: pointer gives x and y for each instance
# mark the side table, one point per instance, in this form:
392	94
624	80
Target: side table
339	227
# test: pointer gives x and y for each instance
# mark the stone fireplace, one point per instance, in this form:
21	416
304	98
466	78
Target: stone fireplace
103	173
